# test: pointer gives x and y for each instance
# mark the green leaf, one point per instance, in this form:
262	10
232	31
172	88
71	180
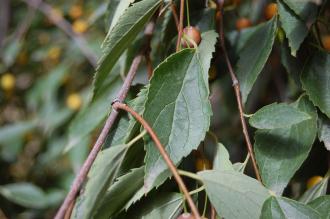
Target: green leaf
233	194
305	9
295	29
10	51
324	131
221	160
89	118
315	80
277	115
100	177
128	26
316	191
27	195
16	130
120	192
322	206
280	152
159	205
254	55
178	107
284	208
47	86
115	9
240	167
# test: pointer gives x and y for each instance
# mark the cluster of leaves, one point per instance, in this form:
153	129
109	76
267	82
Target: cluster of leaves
188	101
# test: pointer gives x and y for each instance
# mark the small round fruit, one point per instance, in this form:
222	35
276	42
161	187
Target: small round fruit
270	11
74	101
75	11
80	26
326	42
8	81
202	164
192	34
186	216
242	23
313	181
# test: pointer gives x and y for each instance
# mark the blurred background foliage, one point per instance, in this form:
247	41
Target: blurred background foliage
46	75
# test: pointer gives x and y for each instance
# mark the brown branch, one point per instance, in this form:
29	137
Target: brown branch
78	181
162	151
175	15
64	25
237	92
180	25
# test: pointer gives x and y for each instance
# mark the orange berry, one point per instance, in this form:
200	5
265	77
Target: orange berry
8	82
75	11
74	101
192	34
242	23
80	26
270	11
202	164
186	216
313	181
326	42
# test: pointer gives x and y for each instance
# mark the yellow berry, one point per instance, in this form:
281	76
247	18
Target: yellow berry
54	53
75	11
79	26
313	181
8	81
74	101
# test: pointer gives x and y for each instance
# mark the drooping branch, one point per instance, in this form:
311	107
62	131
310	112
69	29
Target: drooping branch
64	25
180	25
175	16
118	105
237	91
81	176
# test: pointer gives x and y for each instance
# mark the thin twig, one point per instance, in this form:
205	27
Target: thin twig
180	26
160	147
175	16
237	93
64	25
78	181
